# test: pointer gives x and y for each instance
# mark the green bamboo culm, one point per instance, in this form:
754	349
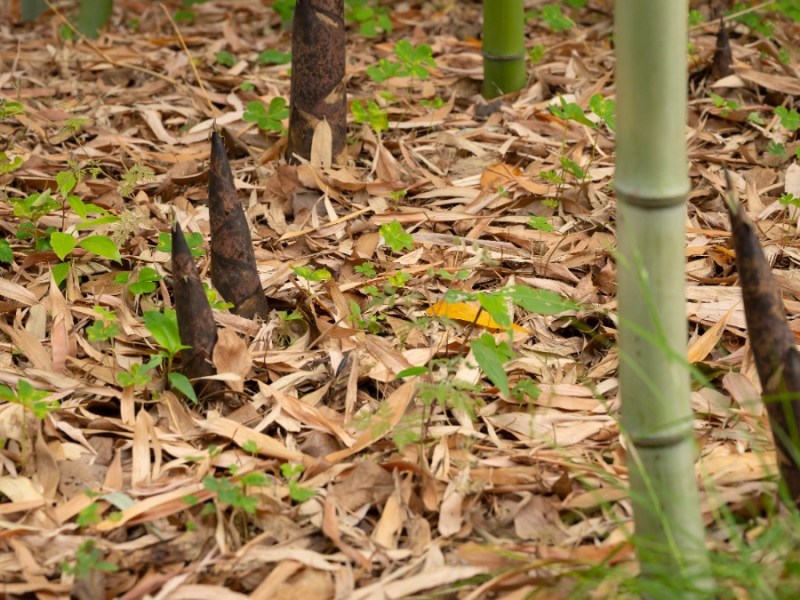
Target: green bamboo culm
31	9
651	185
503	47
93	16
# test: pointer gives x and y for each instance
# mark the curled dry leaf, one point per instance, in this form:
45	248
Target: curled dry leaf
232	356
233	262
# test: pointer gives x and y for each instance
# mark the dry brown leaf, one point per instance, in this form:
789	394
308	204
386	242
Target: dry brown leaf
232	356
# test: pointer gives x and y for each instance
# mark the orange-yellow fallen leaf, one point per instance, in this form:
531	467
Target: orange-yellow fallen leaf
461	311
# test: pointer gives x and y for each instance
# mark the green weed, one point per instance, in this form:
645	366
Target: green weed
274	57
292	474
396	237
371	20
105	327
194	240
225	58
370	113
31	399
145	282
185	14
412	61
88	558
267	118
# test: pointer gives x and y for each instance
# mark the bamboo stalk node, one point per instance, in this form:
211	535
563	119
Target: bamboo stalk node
664	439
651	201
503	57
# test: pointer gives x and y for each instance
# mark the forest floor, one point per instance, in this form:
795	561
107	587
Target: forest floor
323	475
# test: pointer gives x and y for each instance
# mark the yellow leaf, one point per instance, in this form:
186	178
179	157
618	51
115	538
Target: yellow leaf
461	311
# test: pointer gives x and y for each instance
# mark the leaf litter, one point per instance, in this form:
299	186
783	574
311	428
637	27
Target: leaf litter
443	484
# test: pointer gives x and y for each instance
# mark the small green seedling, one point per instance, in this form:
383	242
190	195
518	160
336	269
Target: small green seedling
539	223
64	243
267	118
285	8
34	206
234	492
163	326
372	20
89	516
87	560
525	389
9	165
755	21
399	279
569	111
789	119
434	103
6	253
536	53
571	167
296	492
606	109
73	125
696	18
145	282
385	69
370	113
274	57
412	61
194	240
139	373
777	149
225	58
30	398
105	327
396	237
369	323
138	173
366	269
311	274
9	108
553	18
725	105
290	316
415	59
446	275
185	14
216	301
491	356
